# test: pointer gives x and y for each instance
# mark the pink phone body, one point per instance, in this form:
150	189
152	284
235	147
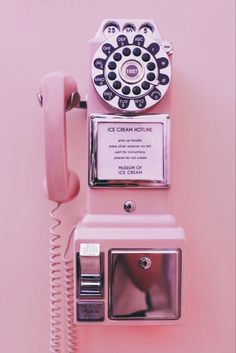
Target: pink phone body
128	228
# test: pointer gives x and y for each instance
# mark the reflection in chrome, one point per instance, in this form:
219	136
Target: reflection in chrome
150	294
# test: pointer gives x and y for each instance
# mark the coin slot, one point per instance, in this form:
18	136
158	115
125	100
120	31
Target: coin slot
129	28
146	27
111	28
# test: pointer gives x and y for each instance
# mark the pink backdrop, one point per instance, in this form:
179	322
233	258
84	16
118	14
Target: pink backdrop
37	37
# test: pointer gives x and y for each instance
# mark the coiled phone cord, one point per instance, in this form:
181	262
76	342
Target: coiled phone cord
56	290
55	285
69	298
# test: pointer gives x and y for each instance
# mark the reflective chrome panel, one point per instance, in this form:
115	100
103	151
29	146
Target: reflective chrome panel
163	181
90	271
145	284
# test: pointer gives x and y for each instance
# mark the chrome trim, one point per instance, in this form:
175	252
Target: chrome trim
95	119
90	276
152	312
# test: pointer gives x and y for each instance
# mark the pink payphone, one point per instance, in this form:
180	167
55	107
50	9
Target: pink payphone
128	250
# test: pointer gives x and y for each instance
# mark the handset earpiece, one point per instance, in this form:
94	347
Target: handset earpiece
58	94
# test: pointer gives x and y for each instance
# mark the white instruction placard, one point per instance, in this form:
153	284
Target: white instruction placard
130	151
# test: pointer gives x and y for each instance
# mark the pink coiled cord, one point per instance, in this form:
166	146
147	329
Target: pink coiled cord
56	291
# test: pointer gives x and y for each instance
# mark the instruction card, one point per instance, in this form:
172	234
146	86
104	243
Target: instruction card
131	151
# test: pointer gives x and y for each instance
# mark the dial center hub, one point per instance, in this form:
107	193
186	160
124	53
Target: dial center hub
132	71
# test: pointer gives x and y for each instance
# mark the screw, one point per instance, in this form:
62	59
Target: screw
145	263
129	206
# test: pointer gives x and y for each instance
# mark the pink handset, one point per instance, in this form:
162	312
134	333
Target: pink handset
61	184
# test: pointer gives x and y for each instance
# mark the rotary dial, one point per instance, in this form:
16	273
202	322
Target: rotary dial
131	72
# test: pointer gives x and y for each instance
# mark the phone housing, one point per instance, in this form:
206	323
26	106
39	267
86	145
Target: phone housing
128	249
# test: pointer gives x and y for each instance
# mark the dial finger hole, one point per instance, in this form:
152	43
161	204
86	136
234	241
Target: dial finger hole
117	56
126	90
137	52
146	57
126	51
151	66
151	76
117	85
112	65
136	90
112	75
145	85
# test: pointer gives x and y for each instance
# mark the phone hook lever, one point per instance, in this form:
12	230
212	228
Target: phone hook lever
73	101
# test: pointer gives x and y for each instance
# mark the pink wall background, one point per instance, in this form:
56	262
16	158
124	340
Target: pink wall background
37	37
